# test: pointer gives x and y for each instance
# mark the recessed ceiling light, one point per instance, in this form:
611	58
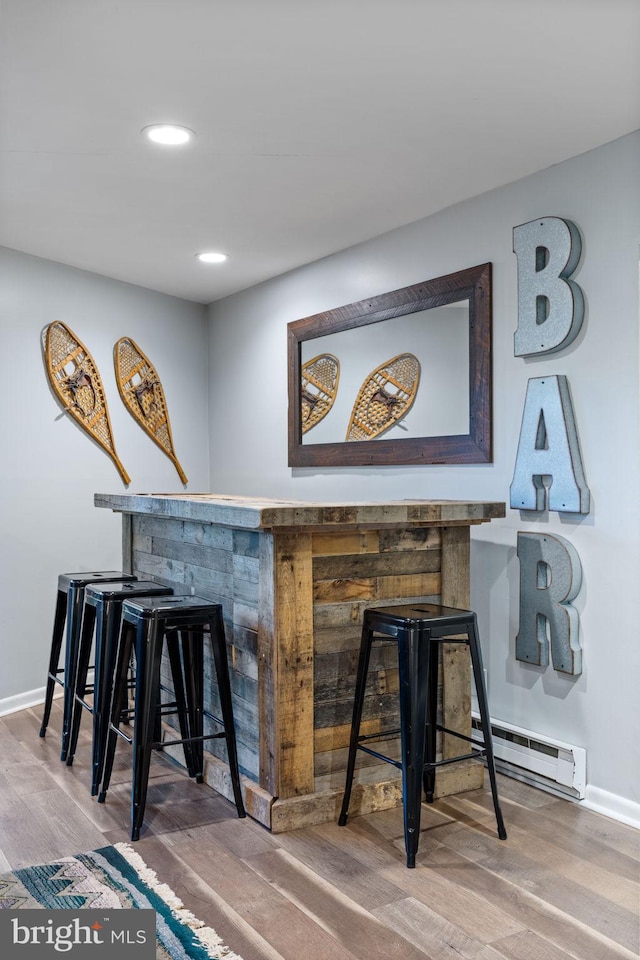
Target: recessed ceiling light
168	134
212	257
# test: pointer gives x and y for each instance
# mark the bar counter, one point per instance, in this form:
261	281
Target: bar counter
293	578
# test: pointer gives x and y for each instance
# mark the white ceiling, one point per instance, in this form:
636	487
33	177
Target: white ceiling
320	123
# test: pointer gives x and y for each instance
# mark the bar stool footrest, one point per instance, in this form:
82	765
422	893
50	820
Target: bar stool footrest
474	755
176	743
380	756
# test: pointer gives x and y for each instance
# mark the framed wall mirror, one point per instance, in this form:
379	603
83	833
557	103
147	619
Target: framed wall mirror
400	378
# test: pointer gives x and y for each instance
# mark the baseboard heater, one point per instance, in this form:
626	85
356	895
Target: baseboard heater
548	764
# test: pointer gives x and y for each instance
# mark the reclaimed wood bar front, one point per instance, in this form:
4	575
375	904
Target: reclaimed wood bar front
293	578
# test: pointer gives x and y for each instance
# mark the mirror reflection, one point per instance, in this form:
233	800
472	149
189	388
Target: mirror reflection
402	377
359	363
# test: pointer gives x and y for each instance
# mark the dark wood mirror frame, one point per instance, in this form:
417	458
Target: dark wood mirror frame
474	285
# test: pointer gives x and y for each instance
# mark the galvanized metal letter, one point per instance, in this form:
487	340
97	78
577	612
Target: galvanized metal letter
550	306
548	462
550	576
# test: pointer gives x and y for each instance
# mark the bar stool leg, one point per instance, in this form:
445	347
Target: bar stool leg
193	657
105	665
481	692
75	603
54	656
412	665
84	655
179	683
148	657
358	704
219	649
429	778
120	687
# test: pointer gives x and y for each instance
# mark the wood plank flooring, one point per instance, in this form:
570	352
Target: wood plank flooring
565	884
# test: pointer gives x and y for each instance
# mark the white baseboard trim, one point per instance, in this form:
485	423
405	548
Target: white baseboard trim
612	805
32	698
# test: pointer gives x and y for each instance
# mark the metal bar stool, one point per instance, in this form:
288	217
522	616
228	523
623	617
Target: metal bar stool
102	615
69	606
418	630
145	623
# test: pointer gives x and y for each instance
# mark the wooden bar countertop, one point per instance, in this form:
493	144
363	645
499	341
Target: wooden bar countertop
293	578
264	513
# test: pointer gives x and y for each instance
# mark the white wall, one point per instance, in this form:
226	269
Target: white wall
600	192
51	469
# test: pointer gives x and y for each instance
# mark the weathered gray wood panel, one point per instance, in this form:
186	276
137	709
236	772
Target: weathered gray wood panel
199	558
352	572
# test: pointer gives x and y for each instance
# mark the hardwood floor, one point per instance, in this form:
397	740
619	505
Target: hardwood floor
565	884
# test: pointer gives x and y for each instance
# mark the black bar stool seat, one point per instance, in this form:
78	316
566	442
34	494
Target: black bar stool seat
69	607
182	621
102	613
419	629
